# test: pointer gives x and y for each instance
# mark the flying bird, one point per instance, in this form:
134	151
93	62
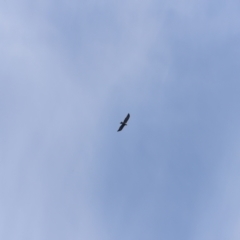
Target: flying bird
124	123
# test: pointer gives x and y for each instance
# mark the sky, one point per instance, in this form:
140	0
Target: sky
71	71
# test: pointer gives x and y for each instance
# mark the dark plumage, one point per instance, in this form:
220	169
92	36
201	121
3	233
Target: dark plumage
124	123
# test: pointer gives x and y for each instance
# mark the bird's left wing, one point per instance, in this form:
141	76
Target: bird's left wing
126	118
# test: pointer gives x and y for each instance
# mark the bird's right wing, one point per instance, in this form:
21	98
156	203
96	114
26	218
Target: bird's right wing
120	128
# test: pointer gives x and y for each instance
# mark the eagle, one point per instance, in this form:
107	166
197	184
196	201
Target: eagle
124	123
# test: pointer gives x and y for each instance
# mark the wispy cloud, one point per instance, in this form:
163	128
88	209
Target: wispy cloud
70	71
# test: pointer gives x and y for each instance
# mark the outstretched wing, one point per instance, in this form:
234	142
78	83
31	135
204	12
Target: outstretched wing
120	128
126	118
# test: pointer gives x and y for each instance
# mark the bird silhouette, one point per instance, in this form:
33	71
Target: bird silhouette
124	123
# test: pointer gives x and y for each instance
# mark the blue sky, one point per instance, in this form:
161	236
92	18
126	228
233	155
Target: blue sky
71	71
